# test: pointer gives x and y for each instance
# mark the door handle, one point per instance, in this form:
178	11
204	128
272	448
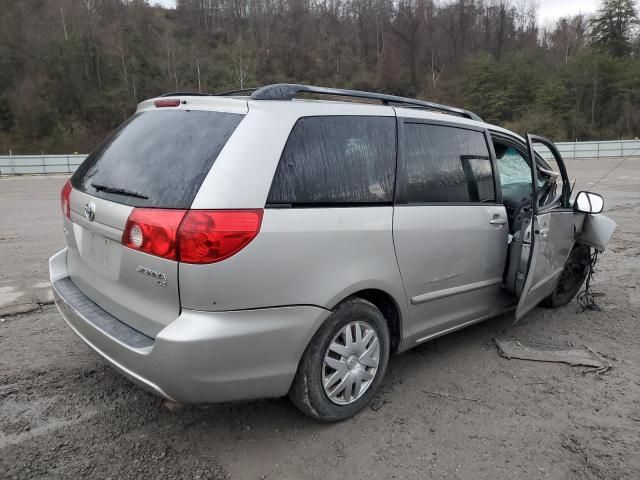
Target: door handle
544	232
498	221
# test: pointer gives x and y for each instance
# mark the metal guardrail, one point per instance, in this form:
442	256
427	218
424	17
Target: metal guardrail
39	164
590	150
51	164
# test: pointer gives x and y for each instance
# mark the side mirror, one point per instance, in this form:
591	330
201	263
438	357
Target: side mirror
587	202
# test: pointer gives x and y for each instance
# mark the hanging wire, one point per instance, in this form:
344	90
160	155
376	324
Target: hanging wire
587	297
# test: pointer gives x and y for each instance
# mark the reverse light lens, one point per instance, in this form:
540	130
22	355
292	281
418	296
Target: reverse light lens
65	198
136	236
208	236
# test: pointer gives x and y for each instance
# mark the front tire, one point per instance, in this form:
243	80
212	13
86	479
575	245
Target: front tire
573	276
344	364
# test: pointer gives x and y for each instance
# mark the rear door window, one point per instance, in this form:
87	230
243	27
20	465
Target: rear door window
443	164
156	158
337	160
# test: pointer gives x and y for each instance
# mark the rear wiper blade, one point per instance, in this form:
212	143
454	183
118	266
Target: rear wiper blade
118	191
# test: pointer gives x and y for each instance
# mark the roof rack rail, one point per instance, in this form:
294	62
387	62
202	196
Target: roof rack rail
190	94
203	94
235	92
287	91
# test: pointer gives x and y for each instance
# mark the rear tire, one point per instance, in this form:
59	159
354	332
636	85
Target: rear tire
573	276
344	364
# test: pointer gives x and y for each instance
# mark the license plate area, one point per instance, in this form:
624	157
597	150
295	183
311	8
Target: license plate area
99	248
98	252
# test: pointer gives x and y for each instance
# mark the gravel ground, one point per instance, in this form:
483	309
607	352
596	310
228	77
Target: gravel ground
65	414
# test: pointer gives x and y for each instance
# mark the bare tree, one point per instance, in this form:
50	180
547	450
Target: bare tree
241	63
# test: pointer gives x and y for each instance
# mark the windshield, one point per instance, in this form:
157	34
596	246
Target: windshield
156	158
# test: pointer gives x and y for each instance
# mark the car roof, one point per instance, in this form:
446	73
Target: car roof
242	103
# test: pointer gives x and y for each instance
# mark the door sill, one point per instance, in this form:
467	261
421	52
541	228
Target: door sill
491	314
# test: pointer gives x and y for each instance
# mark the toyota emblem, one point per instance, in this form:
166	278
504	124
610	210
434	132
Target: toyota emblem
90	211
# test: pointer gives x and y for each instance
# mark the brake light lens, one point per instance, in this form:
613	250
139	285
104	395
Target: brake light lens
191	236
208	236
166	103
153	231
65	195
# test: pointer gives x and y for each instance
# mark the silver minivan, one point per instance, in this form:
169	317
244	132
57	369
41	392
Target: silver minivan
258	244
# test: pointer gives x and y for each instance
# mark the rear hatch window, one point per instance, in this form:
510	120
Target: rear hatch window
156	158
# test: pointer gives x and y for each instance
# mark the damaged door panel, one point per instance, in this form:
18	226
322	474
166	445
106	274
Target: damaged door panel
550	235
551	243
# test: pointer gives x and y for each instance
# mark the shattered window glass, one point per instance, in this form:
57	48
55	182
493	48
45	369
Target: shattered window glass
446	164
337	160
513	167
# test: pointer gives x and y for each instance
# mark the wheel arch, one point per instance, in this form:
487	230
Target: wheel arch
388	306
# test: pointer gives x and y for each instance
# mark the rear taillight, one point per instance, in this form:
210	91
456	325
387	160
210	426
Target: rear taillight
153	231
208	236
193	236
65	196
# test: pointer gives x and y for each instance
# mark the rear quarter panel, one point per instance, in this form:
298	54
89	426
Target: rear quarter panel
301	257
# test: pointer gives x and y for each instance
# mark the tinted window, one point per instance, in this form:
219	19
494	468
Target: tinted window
161	155
337	160
446	164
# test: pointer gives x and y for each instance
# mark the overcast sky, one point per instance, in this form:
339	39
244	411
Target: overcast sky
554	9
548	10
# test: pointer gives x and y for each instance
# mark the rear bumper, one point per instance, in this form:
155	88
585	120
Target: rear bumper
201	357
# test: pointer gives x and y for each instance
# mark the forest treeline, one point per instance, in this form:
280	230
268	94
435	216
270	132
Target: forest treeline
72	70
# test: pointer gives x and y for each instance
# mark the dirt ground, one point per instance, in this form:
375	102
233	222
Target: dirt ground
65	414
